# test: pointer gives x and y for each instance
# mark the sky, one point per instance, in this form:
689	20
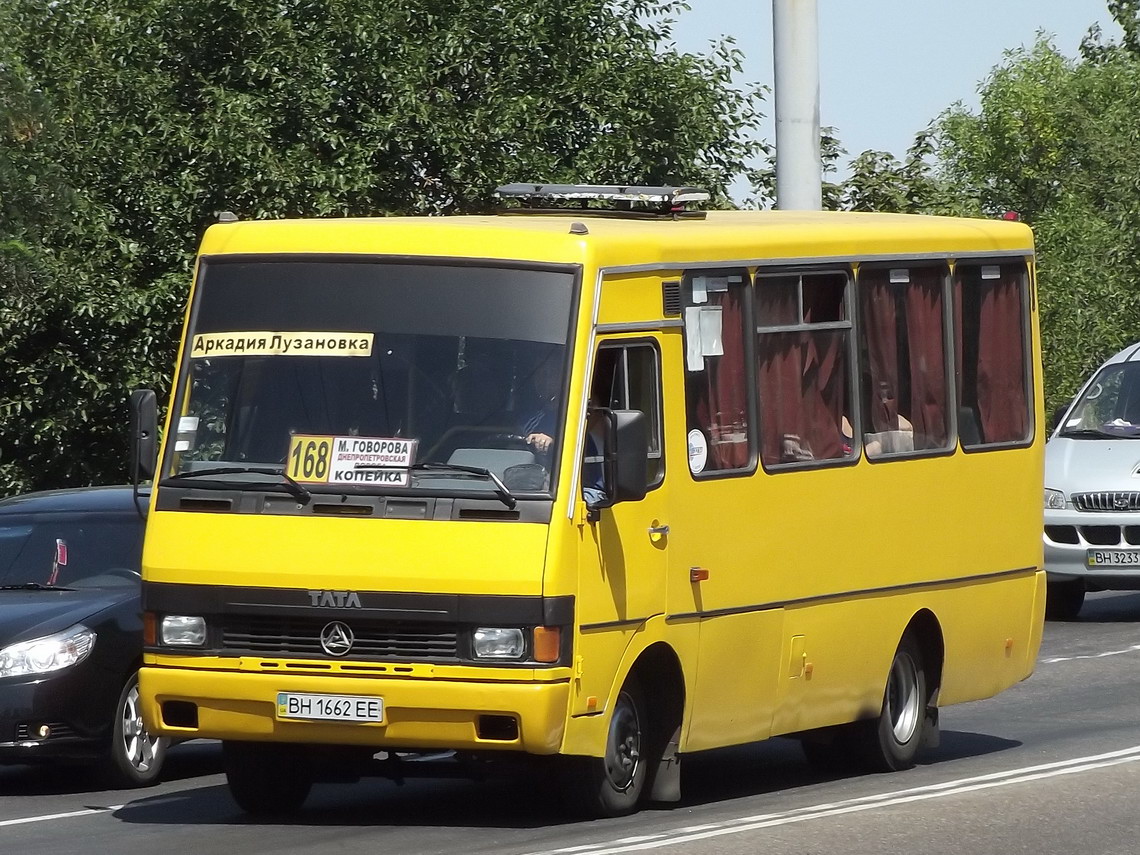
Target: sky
888	67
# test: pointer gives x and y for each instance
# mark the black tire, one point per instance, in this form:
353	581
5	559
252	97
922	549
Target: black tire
265	778
1063	600
890	742
134	757
614	785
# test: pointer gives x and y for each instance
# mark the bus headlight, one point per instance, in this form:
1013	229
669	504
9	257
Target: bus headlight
1054	500
47	654
183	631
498	643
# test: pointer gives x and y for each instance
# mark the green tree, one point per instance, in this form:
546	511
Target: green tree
154	114
880	182
1056	140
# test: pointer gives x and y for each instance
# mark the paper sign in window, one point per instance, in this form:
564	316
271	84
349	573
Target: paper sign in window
703	328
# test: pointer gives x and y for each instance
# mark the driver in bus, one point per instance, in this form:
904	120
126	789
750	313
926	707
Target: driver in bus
539	429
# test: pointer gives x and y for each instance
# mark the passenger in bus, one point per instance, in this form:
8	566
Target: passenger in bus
876	443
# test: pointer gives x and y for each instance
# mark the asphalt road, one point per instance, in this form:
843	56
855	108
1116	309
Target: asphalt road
1048	766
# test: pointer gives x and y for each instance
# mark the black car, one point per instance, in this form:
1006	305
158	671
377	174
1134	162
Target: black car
71	632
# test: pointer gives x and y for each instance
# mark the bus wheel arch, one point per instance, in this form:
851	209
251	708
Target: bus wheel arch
928	632
908	718
658	671
640	760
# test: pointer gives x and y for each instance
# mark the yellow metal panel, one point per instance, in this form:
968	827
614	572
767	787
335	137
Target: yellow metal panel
734	696
418	713
346	553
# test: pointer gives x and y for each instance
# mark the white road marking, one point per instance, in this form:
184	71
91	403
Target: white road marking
864	803
1053	659
51	816
735	826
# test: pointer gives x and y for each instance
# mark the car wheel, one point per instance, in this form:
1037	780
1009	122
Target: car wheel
890	742
136	756
614	785
267	778
1063	600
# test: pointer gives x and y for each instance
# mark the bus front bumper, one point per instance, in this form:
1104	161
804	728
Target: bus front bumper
185	703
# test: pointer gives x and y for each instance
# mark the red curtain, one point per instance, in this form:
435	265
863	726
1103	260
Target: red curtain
989	334
1002	406
880	334
803	374
926	349
910	380
722	405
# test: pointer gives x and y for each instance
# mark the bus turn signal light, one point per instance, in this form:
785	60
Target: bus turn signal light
547	641
150	632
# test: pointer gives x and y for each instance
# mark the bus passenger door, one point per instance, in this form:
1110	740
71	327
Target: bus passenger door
622	552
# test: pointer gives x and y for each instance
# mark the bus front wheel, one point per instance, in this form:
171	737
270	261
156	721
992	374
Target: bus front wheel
890	742
267	778
614	785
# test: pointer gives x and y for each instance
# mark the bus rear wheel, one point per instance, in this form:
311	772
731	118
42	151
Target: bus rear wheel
615	784
889	743
267	778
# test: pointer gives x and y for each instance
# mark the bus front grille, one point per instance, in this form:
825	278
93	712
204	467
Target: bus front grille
372	639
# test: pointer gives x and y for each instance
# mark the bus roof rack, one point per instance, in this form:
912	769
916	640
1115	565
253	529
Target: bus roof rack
602	200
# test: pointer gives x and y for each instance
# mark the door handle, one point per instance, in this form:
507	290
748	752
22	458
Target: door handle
656	532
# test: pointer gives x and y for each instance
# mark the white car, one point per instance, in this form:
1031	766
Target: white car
1092	489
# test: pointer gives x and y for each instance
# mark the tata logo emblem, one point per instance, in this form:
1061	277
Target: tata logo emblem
336	638
1121	501
335	599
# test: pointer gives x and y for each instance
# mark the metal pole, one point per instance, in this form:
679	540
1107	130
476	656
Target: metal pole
795	50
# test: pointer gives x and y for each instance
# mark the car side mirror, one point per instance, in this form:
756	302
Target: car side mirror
144	435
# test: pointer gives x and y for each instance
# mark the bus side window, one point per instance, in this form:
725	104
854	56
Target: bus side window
627	376
990	330
905	393
717	352
803	358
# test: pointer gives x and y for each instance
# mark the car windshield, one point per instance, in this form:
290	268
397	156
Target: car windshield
1109	407
69	550
344	374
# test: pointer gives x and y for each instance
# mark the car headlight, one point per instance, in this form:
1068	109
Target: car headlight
1054	500
183	631
499	643
47	654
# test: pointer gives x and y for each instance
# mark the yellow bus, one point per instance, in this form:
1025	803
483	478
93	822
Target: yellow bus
599	478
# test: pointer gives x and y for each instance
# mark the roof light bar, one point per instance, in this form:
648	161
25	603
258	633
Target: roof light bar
659	200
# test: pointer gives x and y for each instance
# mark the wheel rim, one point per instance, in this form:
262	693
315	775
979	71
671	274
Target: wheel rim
903	702
137	744
623	749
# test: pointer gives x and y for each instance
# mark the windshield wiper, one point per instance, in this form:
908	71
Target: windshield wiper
500	488
1095	433
291	485
34	586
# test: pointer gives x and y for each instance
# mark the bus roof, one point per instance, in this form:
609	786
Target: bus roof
579	238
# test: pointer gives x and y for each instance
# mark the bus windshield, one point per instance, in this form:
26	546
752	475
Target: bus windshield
374	375
1110	406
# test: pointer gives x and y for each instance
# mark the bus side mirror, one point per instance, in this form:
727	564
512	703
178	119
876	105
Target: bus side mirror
144	435
627	457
